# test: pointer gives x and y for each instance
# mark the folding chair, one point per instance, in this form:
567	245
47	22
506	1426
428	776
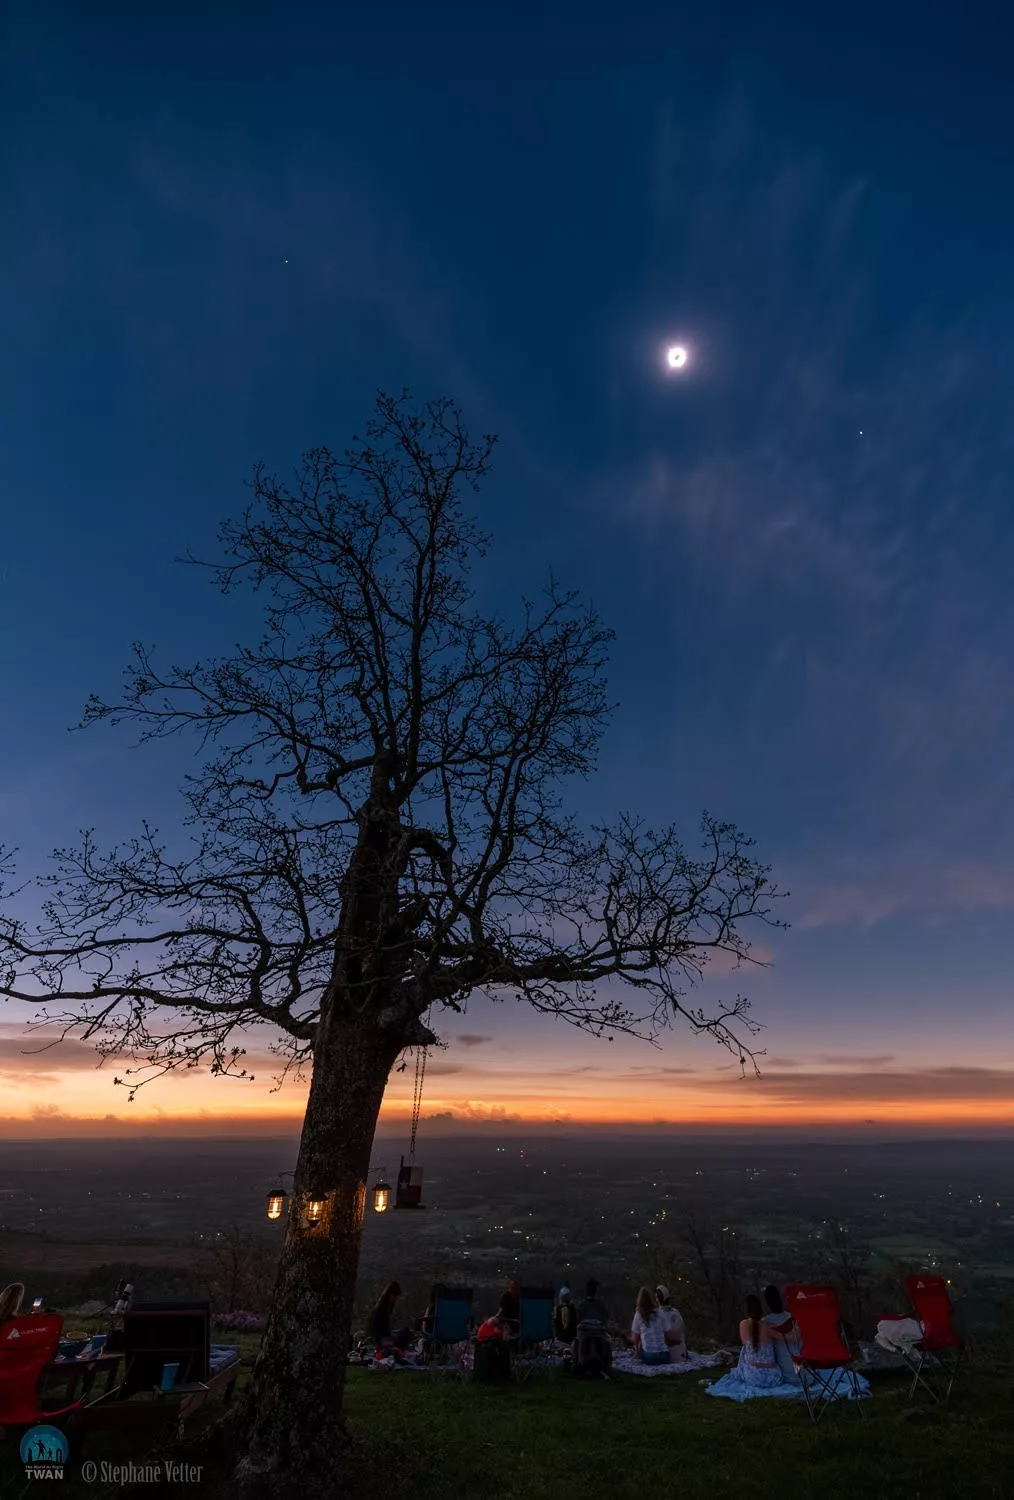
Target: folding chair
452	1323
824	1357
536	1330
941	1343
28	1347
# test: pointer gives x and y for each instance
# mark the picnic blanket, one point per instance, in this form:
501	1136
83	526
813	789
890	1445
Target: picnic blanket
221	1355
734	1388
627	1363
412	1362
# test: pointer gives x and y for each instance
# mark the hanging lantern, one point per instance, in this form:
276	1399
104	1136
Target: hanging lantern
409	1191
276	1202
314	1210
381	1197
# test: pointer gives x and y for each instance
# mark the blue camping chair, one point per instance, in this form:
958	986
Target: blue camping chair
536	1331
452	1326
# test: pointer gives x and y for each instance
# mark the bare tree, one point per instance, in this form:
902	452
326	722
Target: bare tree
377	833
849	1262
238	1270
715	1271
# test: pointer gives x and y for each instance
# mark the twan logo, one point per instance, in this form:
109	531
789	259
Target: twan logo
44	1451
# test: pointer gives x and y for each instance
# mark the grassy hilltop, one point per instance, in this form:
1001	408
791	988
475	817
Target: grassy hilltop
426	1437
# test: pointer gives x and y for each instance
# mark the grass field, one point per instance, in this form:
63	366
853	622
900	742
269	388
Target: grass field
557	1439
435	1438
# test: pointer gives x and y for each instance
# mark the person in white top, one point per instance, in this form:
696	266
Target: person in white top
648	1329
675	1332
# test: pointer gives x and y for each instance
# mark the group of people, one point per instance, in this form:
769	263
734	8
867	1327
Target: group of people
582	1328
657	1330
657	1334
768	1341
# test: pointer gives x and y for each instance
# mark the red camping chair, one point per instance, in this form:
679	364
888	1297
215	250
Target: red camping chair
823	1355
28	1346
940	1343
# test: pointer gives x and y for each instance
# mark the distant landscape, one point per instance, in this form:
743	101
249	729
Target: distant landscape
713	1218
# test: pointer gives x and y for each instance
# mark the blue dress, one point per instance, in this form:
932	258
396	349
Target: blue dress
758	1367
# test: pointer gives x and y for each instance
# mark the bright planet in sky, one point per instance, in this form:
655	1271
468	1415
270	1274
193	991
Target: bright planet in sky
676	357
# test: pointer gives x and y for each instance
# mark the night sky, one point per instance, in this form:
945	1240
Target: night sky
222	236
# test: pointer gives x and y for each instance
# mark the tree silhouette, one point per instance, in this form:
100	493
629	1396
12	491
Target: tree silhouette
377	834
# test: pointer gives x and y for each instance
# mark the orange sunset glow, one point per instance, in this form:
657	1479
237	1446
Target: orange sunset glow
524	1077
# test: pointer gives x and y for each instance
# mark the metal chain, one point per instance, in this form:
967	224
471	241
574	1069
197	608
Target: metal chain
420	1075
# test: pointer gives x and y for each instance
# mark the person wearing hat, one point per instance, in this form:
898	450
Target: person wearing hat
675	1333
565	1318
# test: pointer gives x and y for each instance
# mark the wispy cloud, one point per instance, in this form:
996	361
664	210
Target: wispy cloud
926	887
837	503
847	1060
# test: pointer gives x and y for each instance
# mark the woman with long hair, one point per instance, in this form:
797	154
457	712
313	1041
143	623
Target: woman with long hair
757	1363
10	1300
648	1329
565	1318
385	1339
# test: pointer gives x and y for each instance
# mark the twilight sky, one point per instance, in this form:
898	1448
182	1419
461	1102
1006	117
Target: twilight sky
221	236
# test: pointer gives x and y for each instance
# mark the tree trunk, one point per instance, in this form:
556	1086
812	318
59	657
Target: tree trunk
296	1442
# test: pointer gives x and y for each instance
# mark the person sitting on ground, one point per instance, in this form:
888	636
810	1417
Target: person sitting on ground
385	1339
758	1365
675	1332
783	1323
494	1350
591	1308
648	1329
593	1353
565	1317
496	1326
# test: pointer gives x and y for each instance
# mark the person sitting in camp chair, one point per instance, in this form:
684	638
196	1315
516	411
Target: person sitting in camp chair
11	1299
593	1352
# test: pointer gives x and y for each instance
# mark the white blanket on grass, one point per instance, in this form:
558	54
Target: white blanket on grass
627	1363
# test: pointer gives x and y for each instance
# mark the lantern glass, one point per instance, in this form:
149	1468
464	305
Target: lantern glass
276	1202
314	1210
381	1197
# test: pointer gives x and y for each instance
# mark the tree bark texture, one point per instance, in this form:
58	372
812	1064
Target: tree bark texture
296	1442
